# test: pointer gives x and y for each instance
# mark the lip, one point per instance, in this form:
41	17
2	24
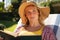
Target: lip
32	17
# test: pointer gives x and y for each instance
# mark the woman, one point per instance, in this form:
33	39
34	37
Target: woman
33	17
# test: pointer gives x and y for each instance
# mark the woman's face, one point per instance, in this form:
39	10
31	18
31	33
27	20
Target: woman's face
31	13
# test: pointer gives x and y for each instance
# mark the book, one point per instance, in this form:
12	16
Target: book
9	36
6	35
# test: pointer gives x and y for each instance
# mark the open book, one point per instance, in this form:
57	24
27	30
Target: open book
12	36
7	35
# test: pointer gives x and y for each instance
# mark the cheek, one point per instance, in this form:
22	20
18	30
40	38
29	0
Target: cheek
37	15
27	16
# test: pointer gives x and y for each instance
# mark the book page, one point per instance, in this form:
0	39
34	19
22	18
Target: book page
9	33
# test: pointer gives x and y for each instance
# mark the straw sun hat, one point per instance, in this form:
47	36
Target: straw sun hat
45	11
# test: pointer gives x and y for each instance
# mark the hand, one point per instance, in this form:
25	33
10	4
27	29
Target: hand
1	38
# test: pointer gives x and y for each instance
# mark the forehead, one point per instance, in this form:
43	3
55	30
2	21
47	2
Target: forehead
30	7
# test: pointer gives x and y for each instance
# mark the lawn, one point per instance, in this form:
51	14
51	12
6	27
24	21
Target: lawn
9	25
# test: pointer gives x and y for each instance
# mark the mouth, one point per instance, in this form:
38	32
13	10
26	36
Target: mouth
32	17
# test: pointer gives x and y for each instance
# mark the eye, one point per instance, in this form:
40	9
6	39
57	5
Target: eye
34	10
28	13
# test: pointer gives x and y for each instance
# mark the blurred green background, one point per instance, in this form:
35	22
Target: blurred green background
9	13
9	25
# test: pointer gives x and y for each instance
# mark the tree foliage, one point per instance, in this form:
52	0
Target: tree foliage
12	11
1	6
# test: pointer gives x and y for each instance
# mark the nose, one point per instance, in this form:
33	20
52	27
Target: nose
32	14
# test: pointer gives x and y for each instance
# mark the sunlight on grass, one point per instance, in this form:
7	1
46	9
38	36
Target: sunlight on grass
12	28
10	25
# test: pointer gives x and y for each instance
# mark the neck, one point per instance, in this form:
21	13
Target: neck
34	23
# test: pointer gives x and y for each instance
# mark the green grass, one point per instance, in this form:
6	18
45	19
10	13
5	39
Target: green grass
9	25
12	28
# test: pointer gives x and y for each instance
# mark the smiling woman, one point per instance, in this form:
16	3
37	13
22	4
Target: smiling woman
33	16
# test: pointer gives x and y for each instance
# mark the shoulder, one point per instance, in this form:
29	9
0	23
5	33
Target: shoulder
48	29
22	28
